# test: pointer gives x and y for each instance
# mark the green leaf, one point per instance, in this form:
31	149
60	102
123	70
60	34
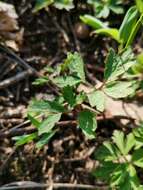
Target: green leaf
93	22
76	65
44	139
103	8
125	177
69	95
80	98
133	178
111	65
87	122
139	4
21	140
34	121
104	12
117	9
138	133
128	24
64	4
118	138
41	81
137	158
129	143
40	4
47	125
63	81
118	65
97	98
119	175
107	152
60	4
138	67
49	69
41	106
106	169
120	89
111	32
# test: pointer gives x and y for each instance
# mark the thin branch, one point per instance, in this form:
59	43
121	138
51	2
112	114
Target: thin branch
33	185
13	56
12	80
73	123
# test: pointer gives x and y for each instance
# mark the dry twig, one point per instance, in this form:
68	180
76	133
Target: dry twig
33	185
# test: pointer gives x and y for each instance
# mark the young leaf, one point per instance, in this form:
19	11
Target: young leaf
105	171
87	122
47	125
117	65
118	138
97	98
111	32
21	140
138	67
119	175
116	9
69	95
103	8
128	24
41	106
40	4
138	133
44	139
119	89
34	121
139	4
125	177
129	143
111	65
41	81
137	158
133	178
76	65
63	81
64	4
107	152
104	12
93	22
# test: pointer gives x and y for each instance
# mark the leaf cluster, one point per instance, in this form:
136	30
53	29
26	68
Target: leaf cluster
119	159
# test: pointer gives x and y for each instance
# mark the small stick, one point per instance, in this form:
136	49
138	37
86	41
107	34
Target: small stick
74	35
16	131
12	80
7	70
63	32
13	56
33	185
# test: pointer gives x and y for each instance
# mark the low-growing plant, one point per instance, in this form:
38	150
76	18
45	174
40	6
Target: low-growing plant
68	79
119	159
102	8
127	31
81	102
